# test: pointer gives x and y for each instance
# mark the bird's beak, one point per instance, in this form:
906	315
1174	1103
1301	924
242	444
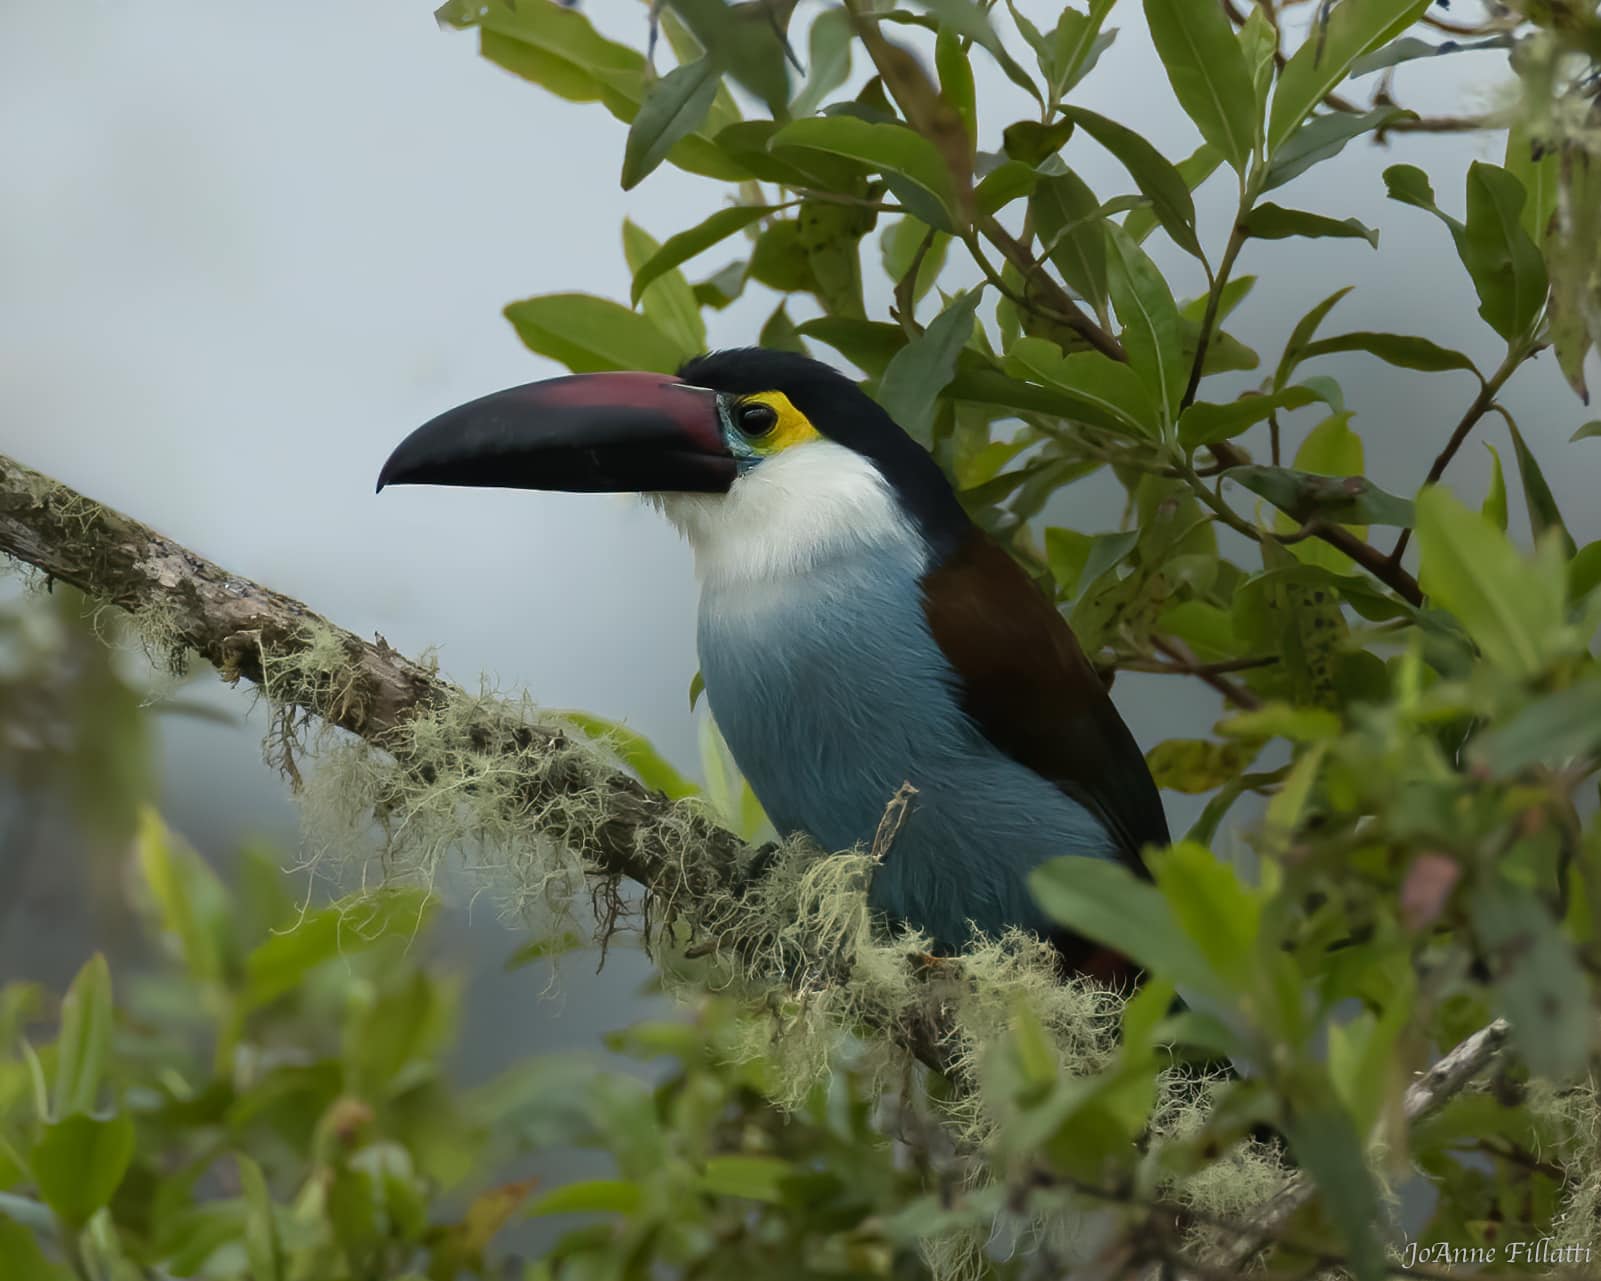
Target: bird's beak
590	433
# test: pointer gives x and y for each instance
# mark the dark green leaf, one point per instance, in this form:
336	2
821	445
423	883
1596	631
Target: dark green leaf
1204	424
1031	142
1301	335
1208	73
1324	1143
1152	334
679	249
1505	263
868	344
778	331
1544	515
1339	500
1067	218
674	107
919	371
78	1163
1408	351
1411	186
1106	902
1324	137
1584	571
1089	386
1470	568
1542	989
1194	169
1354	29
746	42
589	334
1550	731
1410	49
891	149
1274	222
1158	181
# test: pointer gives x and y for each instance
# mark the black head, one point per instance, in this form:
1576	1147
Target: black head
842	412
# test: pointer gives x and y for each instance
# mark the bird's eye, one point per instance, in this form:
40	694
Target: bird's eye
757	419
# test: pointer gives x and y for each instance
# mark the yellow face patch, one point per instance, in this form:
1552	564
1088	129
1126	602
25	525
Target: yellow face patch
792	428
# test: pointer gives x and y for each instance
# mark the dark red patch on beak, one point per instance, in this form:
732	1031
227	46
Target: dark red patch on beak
589	433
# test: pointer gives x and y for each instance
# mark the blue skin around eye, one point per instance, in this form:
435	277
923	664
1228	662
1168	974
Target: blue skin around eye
831	692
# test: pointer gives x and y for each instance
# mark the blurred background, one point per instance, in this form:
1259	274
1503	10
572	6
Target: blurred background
246	249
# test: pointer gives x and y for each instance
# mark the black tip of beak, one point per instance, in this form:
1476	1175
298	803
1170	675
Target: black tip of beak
609	433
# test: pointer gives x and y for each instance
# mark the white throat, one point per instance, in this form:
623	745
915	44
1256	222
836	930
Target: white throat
811	504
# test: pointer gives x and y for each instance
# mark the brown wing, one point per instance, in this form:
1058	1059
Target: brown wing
1035	696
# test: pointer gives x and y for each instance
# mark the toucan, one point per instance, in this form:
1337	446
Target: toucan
857	632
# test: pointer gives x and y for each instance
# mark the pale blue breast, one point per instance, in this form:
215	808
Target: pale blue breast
831	693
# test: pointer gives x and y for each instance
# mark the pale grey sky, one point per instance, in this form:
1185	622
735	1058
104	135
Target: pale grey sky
247	248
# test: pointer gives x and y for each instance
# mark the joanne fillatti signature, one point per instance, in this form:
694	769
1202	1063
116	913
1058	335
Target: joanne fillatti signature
1541	1253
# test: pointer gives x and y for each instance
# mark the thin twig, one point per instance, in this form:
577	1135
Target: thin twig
1180	654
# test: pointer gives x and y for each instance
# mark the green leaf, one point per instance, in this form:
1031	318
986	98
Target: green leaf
1197	765
1259	47
1159	182
956	78
757	1178
1220	913
636	752
556	47
1339	500
679	249
263	1247
1550	731
965	18
1281	720
829	64
1494	509
1194	169
891	149
1206	424
1410	49
1301	335
1354	29
1208	73
1542	990
899	247
85	1040
1584	571
1152	334
1406	351
78	1163
1274	222
1090	386
1538	171
1589	430
868	344
190	901
1507	268
282	962
1544	515
1411	186
1067	217
25	1261
1471	569
1031	142
778	332
1106	902
1324	137
590	1196
674	106
668	301
745	42
919	371
1066	552
1325	1143
590	335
